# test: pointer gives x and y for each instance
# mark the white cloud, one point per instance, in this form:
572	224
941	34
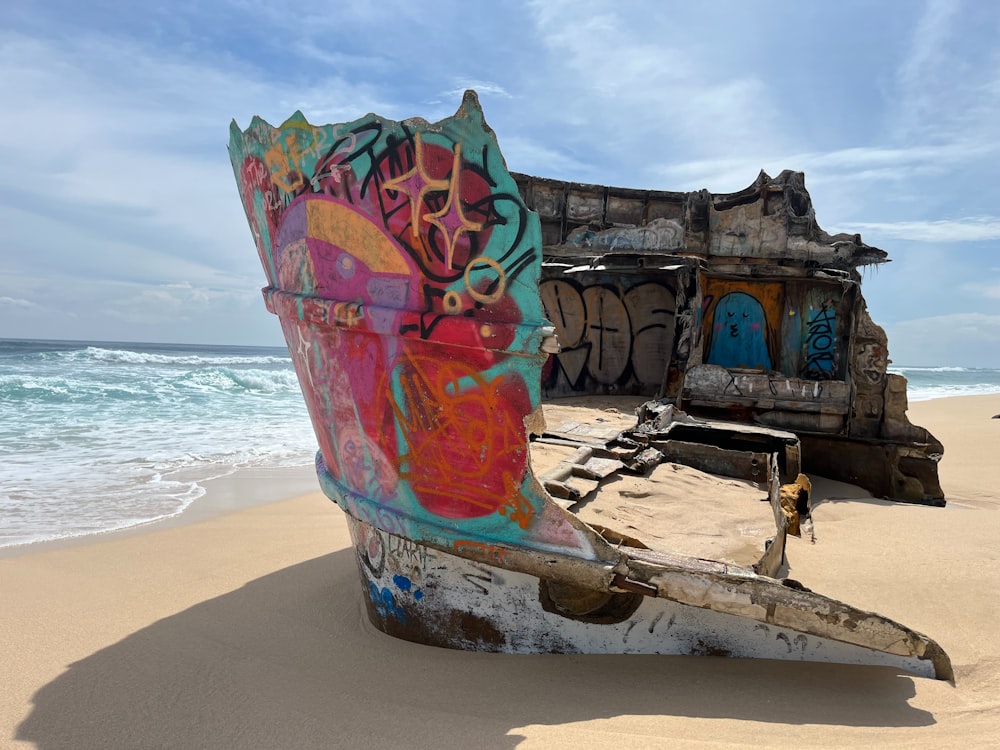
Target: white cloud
524	154
986	289
970	229
948	85
180	303
139	189
634	85
958	339
17	302
61	307
483	88
979	326
853	165
139	185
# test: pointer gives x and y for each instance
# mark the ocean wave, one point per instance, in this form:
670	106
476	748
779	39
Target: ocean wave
222	379
97	436
19	387
127	356
900	370
74	517
926	393
57	389
121	478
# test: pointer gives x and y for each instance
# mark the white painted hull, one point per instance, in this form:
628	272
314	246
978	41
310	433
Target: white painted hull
422	594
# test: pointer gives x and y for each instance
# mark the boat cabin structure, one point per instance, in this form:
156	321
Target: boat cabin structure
736	307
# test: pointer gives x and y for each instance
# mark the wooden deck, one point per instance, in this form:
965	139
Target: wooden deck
672	508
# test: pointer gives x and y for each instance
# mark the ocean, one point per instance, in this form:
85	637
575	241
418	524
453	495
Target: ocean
925	383
97	436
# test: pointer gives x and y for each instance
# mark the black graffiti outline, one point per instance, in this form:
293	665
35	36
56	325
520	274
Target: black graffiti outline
821	344
396	156
585	344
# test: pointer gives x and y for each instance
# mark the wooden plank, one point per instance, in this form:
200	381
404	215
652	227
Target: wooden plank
749	465
598	468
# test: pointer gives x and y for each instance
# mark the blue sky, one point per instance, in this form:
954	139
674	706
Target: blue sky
121	221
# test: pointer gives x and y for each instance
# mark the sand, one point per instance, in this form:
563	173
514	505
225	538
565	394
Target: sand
674	508
246	630
682	510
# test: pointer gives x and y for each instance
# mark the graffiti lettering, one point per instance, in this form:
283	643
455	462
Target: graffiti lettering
477	579
609	337
466	454
820	344
408	552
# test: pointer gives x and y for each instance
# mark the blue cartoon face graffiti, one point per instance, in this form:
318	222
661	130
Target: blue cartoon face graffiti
739	334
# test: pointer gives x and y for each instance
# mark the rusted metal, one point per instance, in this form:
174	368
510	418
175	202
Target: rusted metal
406	268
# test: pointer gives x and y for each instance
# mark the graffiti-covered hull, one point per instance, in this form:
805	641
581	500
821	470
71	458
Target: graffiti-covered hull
406	269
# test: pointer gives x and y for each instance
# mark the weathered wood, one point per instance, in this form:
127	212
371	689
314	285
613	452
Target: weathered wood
727	463
599	468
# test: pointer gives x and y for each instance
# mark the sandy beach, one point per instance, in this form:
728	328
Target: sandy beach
244	628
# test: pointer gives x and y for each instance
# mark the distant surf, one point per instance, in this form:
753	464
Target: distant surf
939	382
100	436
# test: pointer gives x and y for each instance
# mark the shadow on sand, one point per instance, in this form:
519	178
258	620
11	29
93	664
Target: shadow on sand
289	660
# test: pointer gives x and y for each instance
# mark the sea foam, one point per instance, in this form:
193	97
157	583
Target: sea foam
95	437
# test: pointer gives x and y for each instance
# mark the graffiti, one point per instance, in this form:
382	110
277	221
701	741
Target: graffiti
732	388
384	602
872	362
768	387
371	550
784	388
739	334
517	508
408	552
404	268
478	577
820	340
609	337
488	553
466	450
383	517
405	585
800	642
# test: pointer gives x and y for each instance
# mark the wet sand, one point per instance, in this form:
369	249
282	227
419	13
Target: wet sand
246	630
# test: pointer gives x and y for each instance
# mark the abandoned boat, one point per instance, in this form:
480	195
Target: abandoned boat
430	299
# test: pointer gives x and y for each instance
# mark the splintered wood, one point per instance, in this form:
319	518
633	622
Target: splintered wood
673	508
596	419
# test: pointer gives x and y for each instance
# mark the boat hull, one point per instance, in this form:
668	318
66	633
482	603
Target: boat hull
405	267
418	593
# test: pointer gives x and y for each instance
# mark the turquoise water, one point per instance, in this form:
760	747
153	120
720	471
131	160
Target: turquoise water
938	382
98	436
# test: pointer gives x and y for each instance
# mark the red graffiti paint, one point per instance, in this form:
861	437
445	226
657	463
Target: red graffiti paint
464	435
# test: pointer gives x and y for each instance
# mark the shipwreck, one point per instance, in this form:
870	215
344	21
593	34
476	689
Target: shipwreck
499	367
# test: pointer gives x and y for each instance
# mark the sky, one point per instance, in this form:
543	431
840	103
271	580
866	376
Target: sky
120	219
